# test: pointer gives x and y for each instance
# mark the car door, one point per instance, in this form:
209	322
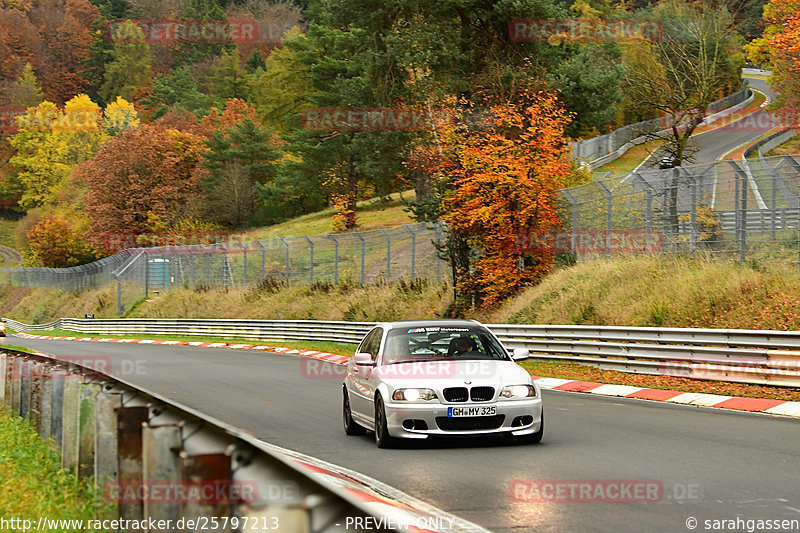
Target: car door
363	387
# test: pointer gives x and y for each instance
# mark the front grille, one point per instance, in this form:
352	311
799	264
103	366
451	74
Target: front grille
470	423
481	394
456	394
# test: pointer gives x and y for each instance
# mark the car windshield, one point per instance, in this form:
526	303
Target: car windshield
432	343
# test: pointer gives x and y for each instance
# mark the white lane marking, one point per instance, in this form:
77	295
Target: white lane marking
551	383
615	390
786	408
697	398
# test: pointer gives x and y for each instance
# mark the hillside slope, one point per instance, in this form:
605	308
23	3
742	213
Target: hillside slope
638	291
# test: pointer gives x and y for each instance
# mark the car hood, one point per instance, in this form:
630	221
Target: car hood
448	373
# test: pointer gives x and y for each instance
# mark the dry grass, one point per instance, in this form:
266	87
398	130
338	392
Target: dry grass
38	306
792	146
372	214
321	301
630	159
661	291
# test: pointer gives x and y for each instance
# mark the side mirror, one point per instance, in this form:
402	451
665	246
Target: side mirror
363	359
520	354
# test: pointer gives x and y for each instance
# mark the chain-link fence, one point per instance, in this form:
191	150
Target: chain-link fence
407	251
735	209
739	209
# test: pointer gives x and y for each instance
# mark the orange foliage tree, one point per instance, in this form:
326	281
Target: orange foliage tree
54	243
504	172
780	49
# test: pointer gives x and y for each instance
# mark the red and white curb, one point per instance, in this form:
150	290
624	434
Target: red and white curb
324	356
395	509
762	405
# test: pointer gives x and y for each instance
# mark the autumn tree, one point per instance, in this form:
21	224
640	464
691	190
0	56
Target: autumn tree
64	29
51	143
502	181
119	116
27	92
143	178
695	61
779	49
129	68
55	244
241	156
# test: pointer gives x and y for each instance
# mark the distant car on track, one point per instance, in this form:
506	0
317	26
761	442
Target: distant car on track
667	162
415	379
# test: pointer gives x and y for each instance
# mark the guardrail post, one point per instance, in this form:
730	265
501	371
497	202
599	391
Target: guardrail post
160	464
87	429
129	455
59	377
45	402
105	444
35	399
206	468
70	429
25	388
15	384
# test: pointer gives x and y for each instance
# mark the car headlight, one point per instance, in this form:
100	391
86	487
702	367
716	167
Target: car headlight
412	395
518	391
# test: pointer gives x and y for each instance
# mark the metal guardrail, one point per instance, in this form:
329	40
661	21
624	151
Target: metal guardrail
117	433
603	149
157	460
749	356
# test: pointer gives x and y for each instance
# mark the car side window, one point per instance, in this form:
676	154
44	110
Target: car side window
373	344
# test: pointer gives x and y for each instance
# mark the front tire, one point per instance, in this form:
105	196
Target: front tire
533	438
382	437
350	425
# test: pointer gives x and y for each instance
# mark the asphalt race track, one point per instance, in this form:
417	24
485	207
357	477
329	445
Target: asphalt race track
713	145
712	464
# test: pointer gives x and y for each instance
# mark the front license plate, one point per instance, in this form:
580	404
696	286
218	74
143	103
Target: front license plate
489	410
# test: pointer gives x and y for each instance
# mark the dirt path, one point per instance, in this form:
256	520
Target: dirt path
11	257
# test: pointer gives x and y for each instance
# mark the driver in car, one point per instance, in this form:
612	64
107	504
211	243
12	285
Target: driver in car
461	345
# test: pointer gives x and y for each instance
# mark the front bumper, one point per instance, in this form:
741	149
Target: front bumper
528	411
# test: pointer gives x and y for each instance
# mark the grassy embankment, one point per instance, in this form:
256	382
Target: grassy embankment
32	483
635	291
